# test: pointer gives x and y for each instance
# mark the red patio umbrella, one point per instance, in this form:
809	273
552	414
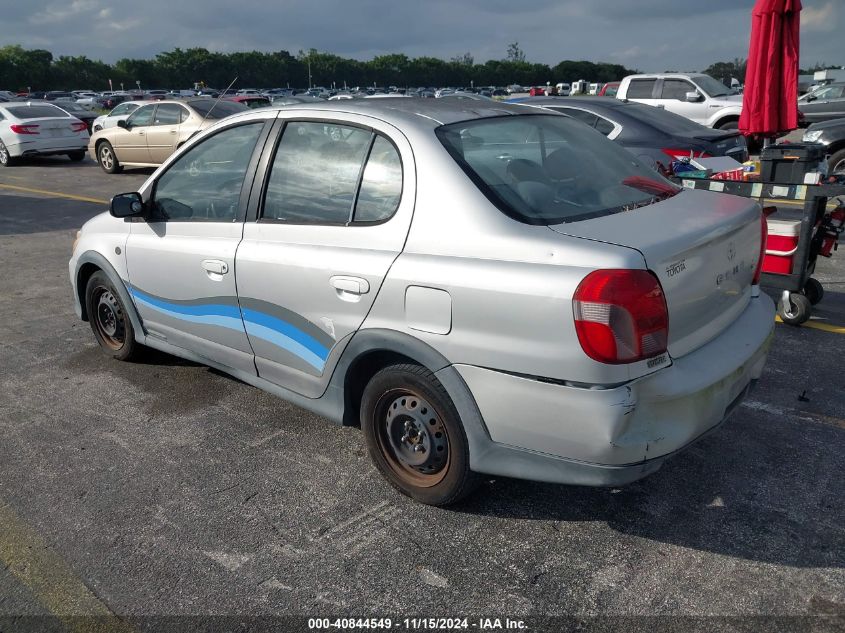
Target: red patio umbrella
770	97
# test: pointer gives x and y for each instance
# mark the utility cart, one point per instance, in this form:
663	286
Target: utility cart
796	238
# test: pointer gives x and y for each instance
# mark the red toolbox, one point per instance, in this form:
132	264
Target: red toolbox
781	246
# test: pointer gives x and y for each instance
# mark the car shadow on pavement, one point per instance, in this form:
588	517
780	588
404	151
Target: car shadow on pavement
775	503
20	215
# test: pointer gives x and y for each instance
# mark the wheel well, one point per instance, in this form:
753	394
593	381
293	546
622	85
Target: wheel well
82	277
835	147
358	375
725	119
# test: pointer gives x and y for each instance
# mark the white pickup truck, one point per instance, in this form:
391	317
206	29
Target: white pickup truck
695	96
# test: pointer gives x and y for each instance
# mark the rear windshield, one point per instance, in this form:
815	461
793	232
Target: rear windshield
662	119
36	111
548	169
214	109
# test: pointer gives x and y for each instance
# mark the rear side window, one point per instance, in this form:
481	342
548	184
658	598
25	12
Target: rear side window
36	112
641	88
332	174
546	169
585	117
381	184
168	114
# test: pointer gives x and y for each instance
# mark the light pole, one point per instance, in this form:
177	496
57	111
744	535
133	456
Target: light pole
309	74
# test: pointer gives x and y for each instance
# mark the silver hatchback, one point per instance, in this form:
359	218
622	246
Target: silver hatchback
483	290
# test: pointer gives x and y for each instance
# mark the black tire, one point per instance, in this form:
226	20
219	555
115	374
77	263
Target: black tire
107	158
109	319
76	156
813	290
836	162
6	159
730	125
415	436
798	310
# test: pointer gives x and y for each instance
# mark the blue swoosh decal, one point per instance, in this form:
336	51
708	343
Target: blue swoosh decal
257	324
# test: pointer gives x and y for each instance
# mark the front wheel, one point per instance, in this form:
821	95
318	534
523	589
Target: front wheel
796	311
109	318
107	158
415	437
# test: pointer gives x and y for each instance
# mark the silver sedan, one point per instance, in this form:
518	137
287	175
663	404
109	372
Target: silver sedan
484	290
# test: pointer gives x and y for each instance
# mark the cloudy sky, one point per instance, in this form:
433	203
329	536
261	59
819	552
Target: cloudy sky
650	35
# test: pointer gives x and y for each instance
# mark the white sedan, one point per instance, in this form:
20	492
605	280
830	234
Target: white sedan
120	113
39	129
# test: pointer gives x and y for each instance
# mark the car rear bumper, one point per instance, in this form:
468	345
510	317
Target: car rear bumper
47	147
558	433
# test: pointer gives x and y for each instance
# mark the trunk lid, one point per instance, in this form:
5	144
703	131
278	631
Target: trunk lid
702	246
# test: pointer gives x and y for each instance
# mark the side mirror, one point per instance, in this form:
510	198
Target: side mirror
693	96
122	123
127	205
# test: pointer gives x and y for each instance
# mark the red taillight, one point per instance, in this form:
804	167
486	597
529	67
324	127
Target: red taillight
621	316
79	126
24	129
764	235
678	153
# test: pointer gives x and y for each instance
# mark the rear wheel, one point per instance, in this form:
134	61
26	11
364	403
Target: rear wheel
415	437
109	318
796	311
6	159
76	156
107	158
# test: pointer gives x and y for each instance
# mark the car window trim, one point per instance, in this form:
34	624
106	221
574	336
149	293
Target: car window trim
243	199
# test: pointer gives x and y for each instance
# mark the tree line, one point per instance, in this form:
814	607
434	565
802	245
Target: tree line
38	69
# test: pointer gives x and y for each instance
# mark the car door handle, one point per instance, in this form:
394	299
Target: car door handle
352	285
173	131
215	266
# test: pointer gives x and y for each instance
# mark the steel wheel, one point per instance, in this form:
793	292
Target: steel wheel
412	438
415	435
109	319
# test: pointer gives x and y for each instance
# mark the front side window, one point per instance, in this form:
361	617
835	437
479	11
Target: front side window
204	184
676	89
546	169
141	117
316	172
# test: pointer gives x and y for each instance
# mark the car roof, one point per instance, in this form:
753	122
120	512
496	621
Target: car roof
598	102
424	113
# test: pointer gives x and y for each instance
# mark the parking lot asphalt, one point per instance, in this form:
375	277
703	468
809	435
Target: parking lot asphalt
166	488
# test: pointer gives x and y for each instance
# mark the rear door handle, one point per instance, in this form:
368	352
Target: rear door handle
215	266
352	285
